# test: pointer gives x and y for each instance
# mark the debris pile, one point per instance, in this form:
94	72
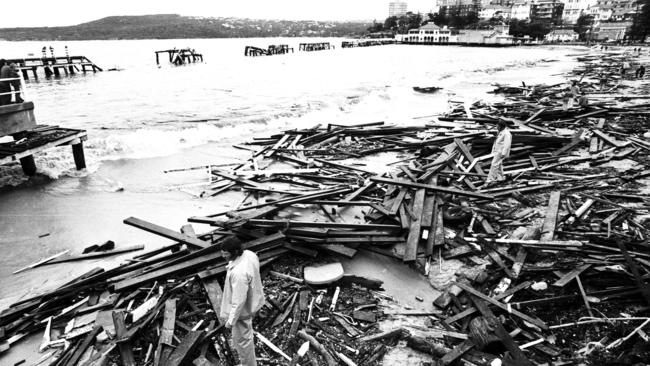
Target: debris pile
560	247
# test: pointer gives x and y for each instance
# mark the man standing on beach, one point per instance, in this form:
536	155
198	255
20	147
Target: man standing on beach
243	297
500	151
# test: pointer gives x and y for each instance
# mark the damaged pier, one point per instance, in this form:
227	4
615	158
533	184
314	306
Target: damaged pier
180	56
54	66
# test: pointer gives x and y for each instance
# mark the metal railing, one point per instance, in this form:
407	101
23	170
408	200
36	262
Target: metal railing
19	92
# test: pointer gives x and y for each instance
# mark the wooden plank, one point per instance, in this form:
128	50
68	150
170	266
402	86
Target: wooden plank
415	230
571	275
501	305
107	253
166	233
550	221
183	353
432	188
338	225
192	264
455	353
123	343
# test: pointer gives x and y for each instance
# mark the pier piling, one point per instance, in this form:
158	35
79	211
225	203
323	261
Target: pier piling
78	154
29	165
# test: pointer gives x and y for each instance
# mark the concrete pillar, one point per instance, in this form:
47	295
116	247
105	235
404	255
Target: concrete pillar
78	154
29	165
25	75
56	71
48	71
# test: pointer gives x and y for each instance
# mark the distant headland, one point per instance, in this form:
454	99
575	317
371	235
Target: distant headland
170	26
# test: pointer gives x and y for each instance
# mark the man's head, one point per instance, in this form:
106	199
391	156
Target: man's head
501	125
231	248
13	66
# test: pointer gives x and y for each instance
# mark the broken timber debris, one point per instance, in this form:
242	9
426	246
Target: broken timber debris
563	217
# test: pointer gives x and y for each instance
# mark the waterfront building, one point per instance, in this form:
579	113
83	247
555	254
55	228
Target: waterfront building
397	8
496	12
573	9
561	35
459	7
550	10
614	31
497	36
617	10
520	10
428	34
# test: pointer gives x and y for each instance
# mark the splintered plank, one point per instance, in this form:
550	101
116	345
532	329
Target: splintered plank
339	249
277	145
465	151
72	361
411	252
432	188
215	293
548	228
643	287
121	335
164	348
166	233
503	306
472	310
571	275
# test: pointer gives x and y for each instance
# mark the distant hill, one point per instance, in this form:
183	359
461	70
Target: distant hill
166	26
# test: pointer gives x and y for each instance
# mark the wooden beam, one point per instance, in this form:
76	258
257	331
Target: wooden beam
183	353
193	264
550	221
166	338
166	233
415	230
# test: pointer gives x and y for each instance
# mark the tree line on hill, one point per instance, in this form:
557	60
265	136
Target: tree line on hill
173	26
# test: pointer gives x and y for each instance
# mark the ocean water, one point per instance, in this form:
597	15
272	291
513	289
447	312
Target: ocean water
146	119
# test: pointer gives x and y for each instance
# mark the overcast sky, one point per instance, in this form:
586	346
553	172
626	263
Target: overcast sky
71	12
